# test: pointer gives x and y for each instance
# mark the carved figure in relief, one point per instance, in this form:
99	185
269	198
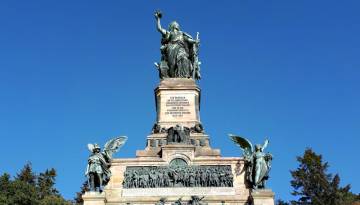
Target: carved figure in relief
178	176
161	201
196	200
178	134
178	201
198	128
158	129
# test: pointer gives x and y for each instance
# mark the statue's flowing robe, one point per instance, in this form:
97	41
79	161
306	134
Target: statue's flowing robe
97	163
261	168
178	55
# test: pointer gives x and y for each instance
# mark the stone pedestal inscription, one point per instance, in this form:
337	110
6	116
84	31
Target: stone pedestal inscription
177	107
177	103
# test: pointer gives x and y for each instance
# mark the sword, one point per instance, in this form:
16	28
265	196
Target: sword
196	59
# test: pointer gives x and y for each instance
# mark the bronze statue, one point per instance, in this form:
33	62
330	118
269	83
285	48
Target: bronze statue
98	168
179	52
258	163
196	200
178	201
178	134
161	201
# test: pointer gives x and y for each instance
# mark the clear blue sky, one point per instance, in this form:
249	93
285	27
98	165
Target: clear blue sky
73	72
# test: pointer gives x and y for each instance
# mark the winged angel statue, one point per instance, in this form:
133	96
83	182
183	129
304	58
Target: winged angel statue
98	168
258	163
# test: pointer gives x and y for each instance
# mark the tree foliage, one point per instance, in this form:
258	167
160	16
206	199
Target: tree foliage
281	202
28	188
313	185
78	199
27	175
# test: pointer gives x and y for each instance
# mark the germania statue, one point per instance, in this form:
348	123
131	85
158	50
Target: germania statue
257	162
98	168
179	52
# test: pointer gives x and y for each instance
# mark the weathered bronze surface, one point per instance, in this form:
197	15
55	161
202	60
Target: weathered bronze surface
179	52
258	162
198	128
178	202
161	201
178	134
178	176
196	200
98	168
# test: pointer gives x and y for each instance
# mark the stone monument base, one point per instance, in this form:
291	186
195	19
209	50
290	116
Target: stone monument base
262	197
178	160
94	198
177	102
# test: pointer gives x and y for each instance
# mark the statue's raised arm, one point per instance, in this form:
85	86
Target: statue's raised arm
158	16
266	142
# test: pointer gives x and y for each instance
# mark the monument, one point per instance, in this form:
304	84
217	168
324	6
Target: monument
178	165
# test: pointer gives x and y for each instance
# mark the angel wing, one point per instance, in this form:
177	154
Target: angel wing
113	145
243	143
90	147
265	145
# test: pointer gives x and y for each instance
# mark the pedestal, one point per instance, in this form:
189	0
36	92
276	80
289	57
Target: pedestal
173	168
94	198
177	102
263	197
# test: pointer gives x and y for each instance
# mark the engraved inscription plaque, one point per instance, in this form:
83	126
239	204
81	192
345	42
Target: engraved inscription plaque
178	106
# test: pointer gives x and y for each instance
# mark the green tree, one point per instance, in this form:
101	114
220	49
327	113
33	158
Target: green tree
27	175
45	184
5	184
281	202
314	186
22	193
28	188
78	199
54	200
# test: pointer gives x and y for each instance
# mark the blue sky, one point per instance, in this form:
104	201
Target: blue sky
73	72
